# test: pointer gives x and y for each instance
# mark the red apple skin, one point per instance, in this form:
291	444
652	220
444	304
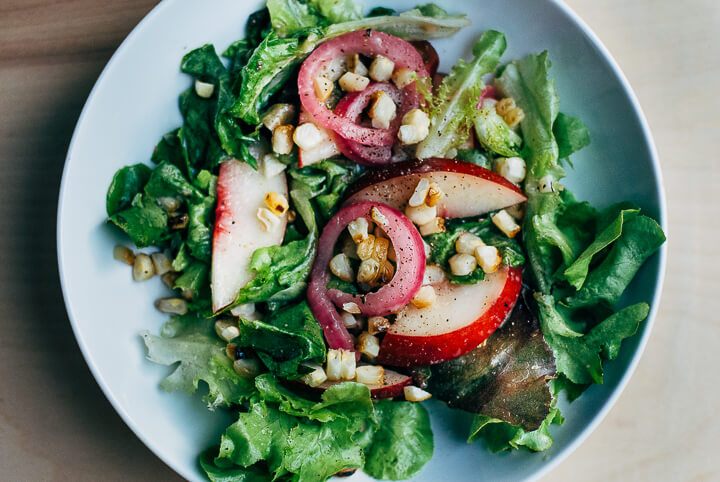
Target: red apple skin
410	351
397	193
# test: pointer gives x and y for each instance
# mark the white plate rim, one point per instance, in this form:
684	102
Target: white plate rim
616	391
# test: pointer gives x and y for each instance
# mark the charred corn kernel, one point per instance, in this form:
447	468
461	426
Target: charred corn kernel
175	306
415	394
143	268
323	88
383	110
351	308
387	271
333	365
514	117
369	271
340	267
231	351
370	375
378	217
169	279
350	82
517	211
307	136
204	89
316	377
282	139
247	367
488	258
177	221
168	203
420	193
381	68
187	294
124	254
277	203
161	263
422	214
243	311
437	225
368	344
424	298
505	105
366	247
268	220
511	168
462	264
392	255
278	115
226	329
347	365
403	77
505	223
270	166
433	275
546	184
358	229
434	195
467	242
381	247
378	324
356	66
349	320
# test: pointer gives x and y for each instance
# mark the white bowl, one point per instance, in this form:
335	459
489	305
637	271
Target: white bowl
135	101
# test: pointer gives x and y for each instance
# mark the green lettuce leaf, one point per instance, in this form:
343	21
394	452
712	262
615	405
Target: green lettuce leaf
286	339
127	183
291	16
338	11
403	442
571	135
167	180
171	149
191	342
200	229
144	222
474	156
194	279
500	435
220	472
454	105
494	134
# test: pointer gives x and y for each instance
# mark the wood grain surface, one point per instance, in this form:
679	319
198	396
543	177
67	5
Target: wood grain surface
55	423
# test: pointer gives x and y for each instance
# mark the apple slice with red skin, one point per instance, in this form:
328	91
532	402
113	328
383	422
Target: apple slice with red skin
470	190
392	386
238	233
462	317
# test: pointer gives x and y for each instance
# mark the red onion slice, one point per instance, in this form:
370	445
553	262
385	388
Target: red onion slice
389	298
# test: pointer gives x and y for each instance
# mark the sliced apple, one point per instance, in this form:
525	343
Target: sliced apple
238	232
459	320
391	387
324	150
470	190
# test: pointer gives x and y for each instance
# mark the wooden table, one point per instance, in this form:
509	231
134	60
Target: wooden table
56	424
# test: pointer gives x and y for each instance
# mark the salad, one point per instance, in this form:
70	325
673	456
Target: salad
346	232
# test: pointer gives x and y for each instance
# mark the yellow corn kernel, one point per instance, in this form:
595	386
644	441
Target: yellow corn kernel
282	139
369	271
323	88
387	271
381	248
340	267
366	247
434	195
277	203
368	344
504	106
378	324
514	117
424	298
370	374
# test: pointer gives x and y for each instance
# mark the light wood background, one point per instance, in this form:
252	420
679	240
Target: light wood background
56	425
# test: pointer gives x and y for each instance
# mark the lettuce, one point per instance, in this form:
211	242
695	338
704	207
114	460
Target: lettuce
291	16
454	105
494	134
571	135
500	435
127	183
144	222
338	11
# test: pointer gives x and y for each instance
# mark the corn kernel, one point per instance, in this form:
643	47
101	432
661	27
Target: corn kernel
505	223
358	229
403	77
143	268
356	66
276	203
422	214
124	254
434	195
226	329
231	351
546	184
347	365
340	267
511	168
467	242
268	219
437	225
424	298
417	118
350	82
247	367
381	68
383	110
204	89
323	88
370	375
175	306
462	264
271	167
307	136
282	139
415	394
378	324
351	308
387	271
278	115
409	134
349	320
316	377
366	248
368	344
378	217
246	310
488	258
333	365
514	117
369	271
433	274
504	106
380	249
420	193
